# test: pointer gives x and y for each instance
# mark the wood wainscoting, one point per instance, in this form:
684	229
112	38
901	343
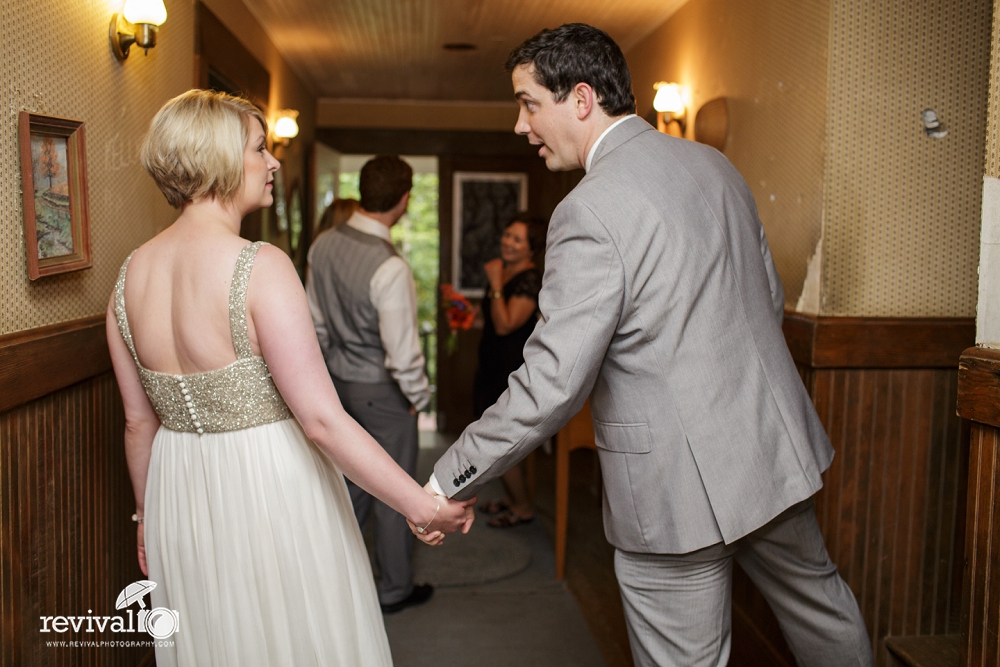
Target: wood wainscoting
892	507
979	402
67	543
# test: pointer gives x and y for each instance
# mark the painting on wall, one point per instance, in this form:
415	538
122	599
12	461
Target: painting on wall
54	194
483	204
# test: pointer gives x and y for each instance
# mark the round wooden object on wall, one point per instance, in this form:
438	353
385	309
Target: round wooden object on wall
711	125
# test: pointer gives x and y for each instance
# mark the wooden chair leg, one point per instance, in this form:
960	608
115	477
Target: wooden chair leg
529	476
562	503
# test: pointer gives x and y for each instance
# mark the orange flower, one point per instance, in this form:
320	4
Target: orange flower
458	310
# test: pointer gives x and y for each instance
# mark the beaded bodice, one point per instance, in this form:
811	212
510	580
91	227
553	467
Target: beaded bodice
235	397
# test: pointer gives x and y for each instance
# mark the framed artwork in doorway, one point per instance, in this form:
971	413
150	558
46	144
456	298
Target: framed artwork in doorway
482	205
54	194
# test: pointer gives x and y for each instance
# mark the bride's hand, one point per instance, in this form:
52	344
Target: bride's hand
448	517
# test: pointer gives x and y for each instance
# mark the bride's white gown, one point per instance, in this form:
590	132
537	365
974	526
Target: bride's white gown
250	534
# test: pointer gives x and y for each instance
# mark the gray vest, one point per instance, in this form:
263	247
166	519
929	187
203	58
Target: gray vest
343	262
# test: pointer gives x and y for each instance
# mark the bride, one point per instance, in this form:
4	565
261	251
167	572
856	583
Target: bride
234	435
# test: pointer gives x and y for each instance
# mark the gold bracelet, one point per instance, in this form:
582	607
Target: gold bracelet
497	294
424	529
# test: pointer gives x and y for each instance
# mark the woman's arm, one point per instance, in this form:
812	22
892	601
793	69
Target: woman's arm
141	421
509	315
284	330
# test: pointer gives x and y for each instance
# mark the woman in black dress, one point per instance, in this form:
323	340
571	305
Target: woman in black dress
510	310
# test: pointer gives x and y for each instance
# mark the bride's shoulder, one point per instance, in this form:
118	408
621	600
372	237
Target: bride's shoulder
272	259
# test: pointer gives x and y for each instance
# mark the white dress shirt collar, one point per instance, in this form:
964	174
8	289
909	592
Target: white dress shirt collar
593	149
371	226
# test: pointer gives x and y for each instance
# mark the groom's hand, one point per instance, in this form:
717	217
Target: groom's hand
469	505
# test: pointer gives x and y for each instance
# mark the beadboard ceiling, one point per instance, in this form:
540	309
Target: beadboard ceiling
392	49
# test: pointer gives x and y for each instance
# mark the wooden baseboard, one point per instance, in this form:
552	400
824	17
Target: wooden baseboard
40	361
877	342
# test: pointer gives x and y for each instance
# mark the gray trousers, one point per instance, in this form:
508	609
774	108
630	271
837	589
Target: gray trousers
678	606
384	412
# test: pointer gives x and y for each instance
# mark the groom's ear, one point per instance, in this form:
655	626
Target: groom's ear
584	99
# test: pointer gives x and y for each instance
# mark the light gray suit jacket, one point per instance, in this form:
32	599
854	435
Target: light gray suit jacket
661	302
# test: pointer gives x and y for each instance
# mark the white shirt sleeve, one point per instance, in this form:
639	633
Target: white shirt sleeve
394	296
437	487
319	322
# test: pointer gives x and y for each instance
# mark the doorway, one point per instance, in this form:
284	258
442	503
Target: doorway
417	240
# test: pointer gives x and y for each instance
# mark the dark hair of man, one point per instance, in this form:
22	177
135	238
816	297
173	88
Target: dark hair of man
384	181
578	53
537	229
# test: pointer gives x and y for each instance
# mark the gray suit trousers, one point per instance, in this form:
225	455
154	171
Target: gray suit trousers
384	412
678	606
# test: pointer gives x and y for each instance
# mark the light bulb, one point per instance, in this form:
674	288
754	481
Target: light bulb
286	128
669	98
151	12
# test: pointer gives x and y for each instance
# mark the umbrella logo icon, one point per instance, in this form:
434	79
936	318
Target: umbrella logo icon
159	622
134	592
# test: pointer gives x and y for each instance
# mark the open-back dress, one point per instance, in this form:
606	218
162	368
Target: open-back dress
249	529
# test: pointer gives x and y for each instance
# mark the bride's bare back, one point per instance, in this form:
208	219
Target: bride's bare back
177	300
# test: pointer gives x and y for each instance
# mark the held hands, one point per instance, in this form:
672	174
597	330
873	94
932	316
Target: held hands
450	515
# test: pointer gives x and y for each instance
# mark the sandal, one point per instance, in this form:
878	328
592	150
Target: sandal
491	507
509	520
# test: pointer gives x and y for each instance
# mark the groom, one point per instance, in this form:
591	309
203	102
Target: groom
661	303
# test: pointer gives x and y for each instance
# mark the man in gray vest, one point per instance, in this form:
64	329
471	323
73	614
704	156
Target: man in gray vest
364	306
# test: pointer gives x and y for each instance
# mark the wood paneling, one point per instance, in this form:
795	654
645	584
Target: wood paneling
981	616
67	542
979	396
873	342
892	507
37	362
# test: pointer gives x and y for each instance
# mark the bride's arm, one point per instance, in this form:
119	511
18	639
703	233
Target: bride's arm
283	328
141	421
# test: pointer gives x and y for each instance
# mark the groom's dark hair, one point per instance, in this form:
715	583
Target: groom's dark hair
384	181
575	53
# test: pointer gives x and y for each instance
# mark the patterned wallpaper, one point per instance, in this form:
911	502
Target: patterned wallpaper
769	59
56	60
902	210
993	116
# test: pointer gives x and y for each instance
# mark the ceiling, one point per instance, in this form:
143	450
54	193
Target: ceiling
392	49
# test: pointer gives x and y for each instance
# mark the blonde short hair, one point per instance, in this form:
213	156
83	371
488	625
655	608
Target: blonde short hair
195	146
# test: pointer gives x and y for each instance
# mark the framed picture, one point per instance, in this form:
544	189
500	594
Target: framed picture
54	189
483	204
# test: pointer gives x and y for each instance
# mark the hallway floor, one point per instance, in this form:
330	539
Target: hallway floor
527	618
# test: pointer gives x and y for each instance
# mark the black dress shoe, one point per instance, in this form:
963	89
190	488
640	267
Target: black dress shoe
420	594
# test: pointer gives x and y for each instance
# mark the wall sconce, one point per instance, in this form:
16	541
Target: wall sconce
286	127
670	104
137	24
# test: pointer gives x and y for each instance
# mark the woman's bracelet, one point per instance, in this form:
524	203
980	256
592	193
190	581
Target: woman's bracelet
138	519
436	510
